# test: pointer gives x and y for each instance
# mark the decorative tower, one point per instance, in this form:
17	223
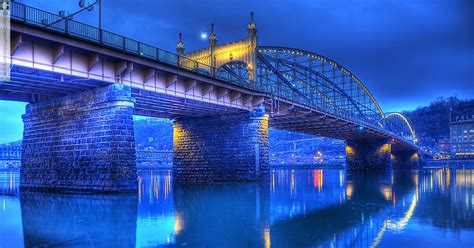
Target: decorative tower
180	46
252	39
252	31
212	47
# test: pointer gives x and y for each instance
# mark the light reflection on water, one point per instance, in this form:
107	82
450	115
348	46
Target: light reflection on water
297	208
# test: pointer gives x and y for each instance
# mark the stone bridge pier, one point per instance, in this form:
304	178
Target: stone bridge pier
406	160
222	148
80	142
378	154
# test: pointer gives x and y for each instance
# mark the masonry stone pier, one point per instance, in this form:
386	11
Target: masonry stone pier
81	142
406	160
368	154
222	148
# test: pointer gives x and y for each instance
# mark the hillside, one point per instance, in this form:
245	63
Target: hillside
431	123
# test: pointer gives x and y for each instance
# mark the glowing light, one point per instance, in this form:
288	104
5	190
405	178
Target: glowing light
349	191
464	153
404	221
379	236
178	224
386	192
448	177
350	151
318	179
273	181
384	148
340	178
266	237
140	184
292	185
387	224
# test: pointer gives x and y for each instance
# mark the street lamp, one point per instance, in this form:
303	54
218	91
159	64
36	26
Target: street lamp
84	6
206	32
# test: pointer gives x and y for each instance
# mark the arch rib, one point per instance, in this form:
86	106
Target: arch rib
412	131
325	79
333	63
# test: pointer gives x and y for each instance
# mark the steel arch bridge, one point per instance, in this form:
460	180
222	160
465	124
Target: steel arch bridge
302	78
84	84
302	91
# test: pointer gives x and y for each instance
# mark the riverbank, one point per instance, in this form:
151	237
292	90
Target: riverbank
453	164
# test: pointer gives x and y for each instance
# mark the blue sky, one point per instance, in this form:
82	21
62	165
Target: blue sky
406	52
11	124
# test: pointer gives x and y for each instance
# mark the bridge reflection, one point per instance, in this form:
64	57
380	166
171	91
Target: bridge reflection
78	220
297	208
450	204
353	221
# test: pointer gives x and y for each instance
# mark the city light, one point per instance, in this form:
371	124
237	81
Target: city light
203	35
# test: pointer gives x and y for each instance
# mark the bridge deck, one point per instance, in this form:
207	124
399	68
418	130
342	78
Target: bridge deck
52	62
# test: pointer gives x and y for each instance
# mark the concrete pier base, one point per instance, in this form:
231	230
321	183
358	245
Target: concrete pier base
368	154
408	160
81	142
223	148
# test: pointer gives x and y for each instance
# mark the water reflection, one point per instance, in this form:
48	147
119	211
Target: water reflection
222	215
78	220
156	220
298	208
451	202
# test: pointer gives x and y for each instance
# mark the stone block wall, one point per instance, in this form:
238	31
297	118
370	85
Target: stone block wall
222	148
368	154
81	142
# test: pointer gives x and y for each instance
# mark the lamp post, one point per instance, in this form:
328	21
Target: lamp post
99	3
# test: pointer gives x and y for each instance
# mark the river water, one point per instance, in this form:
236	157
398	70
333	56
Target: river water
297	208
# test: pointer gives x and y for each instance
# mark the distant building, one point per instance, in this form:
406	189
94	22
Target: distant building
461	132
444	146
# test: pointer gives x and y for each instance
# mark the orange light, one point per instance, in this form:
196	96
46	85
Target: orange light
349	191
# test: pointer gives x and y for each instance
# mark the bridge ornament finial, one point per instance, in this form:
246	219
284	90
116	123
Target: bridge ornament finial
252	25
180	46
212	36
212	47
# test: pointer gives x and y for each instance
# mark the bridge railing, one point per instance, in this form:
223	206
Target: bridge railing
46	20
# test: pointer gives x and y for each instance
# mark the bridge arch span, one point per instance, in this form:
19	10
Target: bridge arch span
397	122
320	77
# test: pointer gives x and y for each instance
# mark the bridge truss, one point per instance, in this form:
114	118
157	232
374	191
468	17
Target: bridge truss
316	81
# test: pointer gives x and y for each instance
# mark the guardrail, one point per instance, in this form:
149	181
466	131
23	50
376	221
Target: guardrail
46	20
